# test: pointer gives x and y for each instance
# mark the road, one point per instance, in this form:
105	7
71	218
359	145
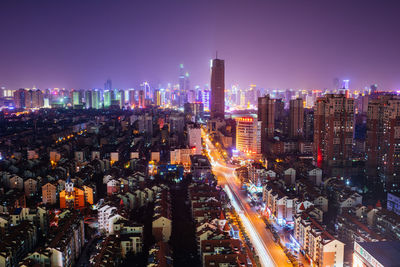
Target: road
269	252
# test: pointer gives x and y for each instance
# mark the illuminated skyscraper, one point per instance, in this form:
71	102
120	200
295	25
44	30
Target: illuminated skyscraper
345	84
157	98
96	99
217	89
88	99
34	98
75	98
206	99
181	84
145	86
132	97
142	99
121	98
248	135
108	87
184	86
19	98
107	99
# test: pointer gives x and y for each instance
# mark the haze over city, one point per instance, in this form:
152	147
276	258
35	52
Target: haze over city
199	133
273	44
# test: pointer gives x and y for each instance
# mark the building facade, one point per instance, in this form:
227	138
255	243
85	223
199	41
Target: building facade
333	129
217	89
248	135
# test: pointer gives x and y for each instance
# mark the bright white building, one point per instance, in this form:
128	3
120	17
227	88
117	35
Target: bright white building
248	136
107	216
194	136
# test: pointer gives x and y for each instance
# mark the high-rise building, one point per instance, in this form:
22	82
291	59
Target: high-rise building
281	116
121	98
187	88
308	131
217	89
266	115
76	100
157	98
132	97
19	98
333	129
88	99
108	85
34	98
142	99
96	99
383	140
107	99
296	118
145	86
181	85
248	136
206	99
288	95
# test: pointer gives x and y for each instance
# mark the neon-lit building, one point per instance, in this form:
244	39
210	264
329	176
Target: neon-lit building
107	99
205	98
248	135
75	198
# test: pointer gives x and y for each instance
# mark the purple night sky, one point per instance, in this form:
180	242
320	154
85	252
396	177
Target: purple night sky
274	44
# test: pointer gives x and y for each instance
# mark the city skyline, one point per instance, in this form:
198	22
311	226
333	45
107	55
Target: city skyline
199	133
284	45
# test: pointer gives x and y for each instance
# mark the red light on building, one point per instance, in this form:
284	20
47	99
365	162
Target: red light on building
319	158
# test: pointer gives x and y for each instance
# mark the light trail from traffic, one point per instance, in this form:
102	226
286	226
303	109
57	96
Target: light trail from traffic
263	254
229	174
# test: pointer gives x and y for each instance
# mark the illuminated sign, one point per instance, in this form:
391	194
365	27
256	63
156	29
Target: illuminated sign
366	256
245	119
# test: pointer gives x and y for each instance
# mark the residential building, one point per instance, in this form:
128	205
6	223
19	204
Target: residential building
49	193
296	118
266	115
319	246
333	130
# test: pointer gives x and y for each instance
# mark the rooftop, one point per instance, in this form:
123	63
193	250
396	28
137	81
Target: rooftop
387	253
